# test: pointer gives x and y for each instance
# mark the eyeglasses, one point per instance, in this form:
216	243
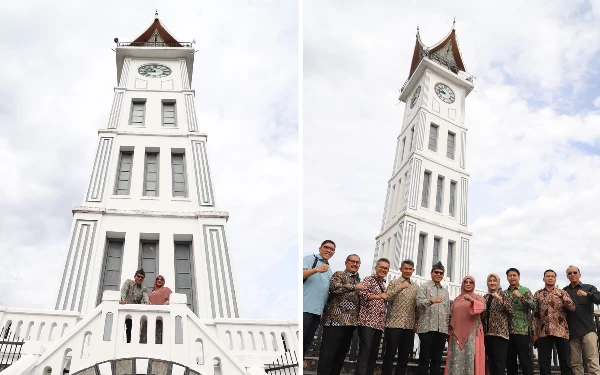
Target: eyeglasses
571	273
353	261
140	276
438	272
160	278
332	249
468	282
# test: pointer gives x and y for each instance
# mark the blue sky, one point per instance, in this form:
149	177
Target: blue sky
56	90
533	119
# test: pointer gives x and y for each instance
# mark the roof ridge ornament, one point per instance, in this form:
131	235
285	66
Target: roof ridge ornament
156	14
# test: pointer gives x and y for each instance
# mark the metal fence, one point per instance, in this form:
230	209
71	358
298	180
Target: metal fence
286	364
10	348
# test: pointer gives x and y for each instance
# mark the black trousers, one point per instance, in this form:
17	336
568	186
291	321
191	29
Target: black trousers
495	351
518	346
335	343
369	340
563	348
398	340
310	324
430	352
128	329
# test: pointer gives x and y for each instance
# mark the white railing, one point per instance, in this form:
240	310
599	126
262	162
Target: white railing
37	325
169	333
453	288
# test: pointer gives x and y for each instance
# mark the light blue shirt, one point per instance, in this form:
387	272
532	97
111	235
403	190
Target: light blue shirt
316	287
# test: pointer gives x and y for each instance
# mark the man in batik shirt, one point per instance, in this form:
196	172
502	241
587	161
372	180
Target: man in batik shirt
400	322
519	338
133	292
550	327
340	317
433	310
371	319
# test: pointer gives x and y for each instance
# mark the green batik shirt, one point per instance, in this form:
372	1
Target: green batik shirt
519	321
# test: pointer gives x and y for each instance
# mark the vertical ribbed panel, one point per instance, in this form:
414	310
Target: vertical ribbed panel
463	149
98	180
425	90
125	73
185	82
420	130
190	112
464	185
415	180
202	173
387	196
409	242
220	274
75	275
398	248
115	111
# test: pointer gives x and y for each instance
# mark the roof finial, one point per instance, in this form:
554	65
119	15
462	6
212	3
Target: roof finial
156	14
454	23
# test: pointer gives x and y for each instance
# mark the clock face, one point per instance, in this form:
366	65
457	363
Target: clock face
415	96
444	92
154	70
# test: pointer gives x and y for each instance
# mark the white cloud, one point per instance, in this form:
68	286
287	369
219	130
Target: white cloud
56	90
533	187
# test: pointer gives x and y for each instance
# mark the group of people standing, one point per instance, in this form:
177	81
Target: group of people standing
481	331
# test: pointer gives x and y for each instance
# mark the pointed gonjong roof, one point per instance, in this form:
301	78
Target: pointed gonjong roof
445	52
156	35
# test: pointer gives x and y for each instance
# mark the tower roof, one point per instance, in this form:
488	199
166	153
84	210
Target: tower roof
156	35
445	52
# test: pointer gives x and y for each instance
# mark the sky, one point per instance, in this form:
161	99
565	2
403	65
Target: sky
533	144
56	90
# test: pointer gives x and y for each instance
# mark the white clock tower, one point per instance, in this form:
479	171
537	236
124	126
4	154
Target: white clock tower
425	215
150	204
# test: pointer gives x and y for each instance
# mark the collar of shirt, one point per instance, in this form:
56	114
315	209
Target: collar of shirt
350	273
511	288
381	280
576	285
319	257
436	285
410	282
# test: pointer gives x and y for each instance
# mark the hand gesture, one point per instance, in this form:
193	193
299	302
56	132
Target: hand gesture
322	268
497	296
359	286
405	284
557	292
436	300
383	295
516	293
581	293
468	297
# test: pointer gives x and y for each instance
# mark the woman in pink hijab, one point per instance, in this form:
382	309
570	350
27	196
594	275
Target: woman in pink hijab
466	352
159	296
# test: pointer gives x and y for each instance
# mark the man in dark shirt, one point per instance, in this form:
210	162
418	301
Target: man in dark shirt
582	330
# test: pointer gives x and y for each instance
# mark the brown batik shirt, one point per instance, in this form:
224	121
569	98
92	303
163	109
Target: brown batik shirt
402	304
342	305
372	313
496	317
550	317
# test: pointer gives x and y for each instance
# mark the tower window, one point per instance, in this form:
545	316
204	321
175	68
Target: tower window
450	261
439	194
426	187
436	250
402	152
111	267
433	137
124	173
450	146
178	169
421	254
148	261
151	175
452	209
138	111
168	114
184	272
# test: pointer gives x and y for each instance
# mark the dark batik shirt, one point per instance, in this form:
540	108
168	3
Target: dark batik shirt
519	322
372	313
342	304
496	317
550	317
581	321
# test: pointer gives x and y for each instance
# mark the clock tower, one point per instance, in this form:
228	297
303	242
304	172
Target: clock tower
150	201
425	214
